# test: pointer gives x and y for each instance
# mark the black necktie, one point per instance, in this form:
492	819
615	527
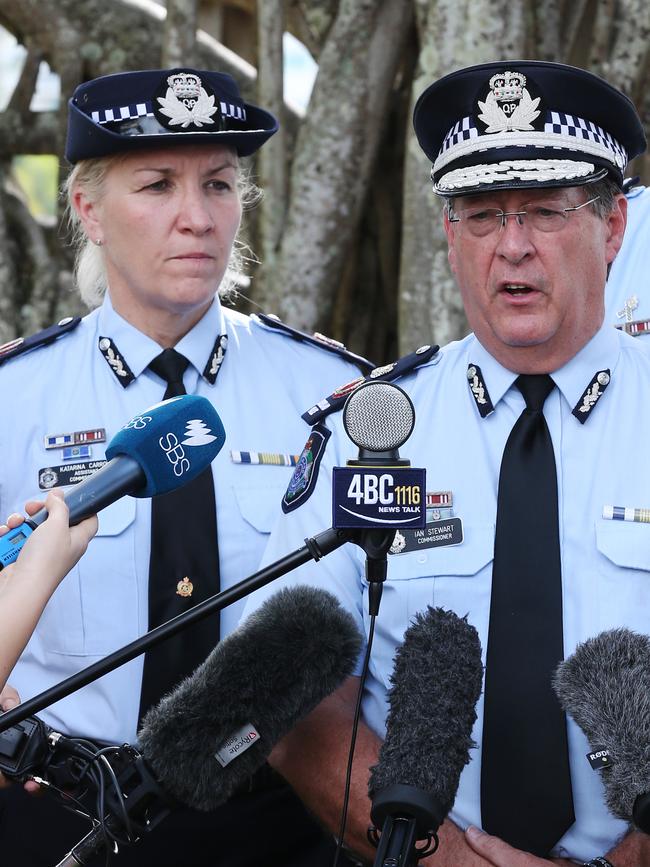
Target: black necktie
183	566
525	782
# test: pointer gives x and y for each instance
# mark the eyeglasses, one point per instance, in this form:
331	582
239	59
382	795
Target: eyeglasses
541	216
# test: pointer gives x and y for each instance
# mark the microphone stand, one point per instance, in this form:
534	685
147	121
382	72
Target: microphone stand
374	541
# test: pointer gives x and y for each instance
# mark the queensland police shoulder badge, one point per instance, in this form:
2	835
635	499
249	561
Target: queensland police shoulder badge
305	475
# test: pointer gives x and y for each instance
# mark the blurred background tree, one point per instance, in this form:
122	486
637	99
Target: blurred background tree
348	236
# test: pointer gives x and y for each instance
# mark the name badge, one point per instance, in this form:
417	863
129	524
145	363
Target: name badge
67	474
436	534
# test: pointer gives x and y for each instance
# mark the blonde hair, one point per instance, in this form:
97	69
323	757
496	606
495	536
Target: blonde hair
89	271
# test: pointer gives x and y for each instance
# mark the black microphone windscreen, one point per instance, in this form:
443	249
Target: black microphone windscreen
292	652
605	686
436	683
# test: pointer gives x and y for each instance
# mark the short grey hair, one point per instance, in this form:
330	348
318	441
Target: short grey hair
89	272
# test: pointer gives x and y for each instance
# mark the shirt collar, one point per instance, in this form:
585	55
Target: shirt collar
139	350
600	353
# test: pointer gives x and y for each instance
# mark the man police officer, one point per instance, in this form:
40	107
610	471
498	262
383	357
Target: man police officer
530	427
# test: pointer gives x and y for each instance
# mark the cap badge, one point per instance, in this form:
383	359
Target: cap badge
508	106
186	101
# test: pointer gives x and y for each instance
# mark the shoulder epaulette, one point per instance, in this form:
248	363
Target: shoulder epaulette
315	339
630	184
17	347
385	373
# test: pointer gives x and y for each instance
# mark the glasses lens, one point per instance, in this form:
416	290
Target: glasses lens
546	216
481	221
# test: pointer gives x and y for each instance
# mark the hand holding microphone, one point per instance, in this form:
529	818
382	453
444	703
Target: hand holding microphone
158	450
207	737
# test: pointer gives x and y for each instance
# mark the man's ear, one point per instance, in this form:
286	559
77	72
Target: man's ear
616	222
450	232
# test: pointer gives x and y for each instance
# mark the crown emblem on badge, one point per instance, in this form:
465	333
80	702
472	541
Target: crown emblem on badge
186	102
507	86
185	85
508	106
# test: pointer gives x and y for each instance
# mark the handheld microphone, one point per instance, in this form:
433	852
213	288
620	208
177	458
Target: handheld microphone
436	682
206	738
605	687
155	452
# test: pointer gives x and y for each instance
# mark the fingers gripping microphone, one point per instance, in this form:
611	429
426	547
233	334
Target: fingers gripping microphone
158	450
605	686
436	683
380	492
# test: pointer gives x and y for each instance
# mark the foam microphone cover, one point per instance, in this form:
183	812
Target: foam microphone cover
605	686
436	682
292	652
173	441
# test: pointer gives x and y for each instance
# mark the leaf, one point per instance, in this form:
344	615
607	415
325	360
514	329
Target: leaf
493	115
525	113
175	110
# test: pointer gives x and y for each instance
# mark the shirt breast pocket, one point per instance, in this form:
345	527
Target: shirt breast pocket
623	595
259	505
454	577
250	523
95	608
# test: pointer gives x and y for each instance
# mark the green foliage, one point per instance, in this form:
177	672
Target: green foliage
37	176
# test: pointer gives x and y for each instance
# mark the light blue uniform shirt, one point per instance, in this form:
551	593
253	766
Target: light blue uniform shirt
627	294
266	380
605	564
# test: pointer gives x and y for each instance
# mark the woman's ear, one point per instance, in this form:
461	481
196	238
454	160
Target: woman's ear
89	215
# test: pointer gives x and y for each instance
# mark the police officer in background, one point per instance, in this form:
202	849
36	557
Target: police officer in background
627	294
156	197
527	429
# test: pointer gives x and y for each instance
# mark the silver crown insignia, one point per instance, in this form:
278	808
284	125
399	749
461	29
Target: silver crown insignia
185	85
507	86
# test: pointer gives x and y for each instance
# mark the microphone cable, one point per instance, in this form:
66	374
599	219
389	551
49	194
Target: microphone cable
353	740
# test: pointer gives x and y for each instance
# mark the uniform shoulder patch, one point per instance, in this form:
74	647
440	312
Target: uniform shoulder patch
385	373
270	320
14	348
305	475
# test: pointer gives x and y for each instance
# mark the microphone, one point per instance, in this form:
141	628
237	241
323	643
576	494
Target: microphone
380	492
155	452
379	418
605	687
218	726
436	682
204	740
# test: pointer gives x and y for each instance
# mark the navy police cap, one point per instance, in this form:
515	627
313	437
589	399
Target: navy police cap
525	123
162	107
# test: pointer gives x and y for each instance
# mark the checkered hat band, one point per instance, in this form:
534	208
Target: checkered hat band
560	130
123	112
145	109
